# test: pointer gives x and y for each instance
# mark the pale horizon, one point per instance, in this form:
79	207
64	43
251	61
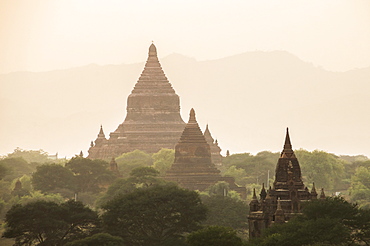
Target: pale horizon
43	35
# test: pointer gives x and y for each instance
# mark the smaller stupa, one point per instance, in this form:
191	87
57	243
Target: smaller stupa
193	168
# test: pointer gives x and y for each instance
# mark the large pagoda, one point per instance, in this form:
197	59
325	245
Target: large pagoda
285	199
153	118
193	167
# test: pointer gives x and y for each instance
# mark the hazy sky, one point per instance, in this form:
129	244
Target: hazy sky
41	35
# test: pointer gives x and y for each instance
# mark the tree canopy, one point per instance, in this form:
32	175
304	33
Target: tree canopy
163	159
214	236
50	177
90	175
131	160
141	177
323	169
153	215
100	239
49	223
30	156
360	187
226	211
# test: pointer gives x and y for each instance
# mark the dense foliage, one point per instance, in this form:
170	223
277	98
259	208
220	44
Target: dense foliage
51	177
141	177
153	215
214	236
99	239
336	222
49	223
131	160
226	211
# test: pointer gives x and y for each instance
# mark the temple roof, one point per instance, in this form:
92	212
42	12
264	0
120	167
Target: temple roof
288	168
192	132
153	79
287	149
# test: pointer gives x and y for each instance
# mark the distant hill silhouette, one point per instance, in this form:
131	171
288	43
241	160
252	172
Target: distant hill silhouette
248	100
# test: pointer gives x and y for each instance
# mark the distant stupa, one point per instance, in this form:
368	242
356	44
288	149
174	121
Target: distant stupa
193	167
153	119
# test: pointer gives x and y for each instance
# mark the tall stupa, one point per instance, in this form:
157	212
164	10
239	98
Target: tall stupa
153	119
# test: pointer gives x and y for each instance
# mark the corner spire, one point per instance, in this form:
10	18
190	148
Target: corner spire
279	213
263	192
254	194
322	195
101	132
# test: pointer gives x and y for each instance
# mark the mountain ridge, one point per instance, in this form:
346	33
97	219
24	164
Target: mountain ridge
234	95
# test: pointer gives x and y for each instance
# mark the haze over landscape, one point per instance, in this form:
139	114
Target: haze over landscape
248	69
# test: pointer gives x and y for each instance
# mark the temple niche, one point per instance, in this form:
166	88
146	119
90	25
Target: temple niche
285	199
193	167
153	119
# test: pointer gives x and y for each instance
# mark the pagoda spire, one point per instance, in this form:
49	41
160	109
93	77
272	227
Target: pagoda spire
192	118
263	192
287	149
254	194
313	192
101	132
288	168
152	50
101	137
287	143
322	195
254	204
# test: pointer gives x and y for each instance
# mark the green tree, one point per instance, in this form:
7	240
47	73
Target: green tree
360	187
153	215
131	160
49	223
50	177
90	175
101	239
163	160
332	221
141	177
226	211
324	169
31	156
214	236
256	167
238	173
3	171
16	167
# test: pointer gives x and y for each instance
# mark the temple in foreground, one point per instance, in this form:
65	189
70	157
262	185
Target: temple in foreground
193	167
153	119
285	199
